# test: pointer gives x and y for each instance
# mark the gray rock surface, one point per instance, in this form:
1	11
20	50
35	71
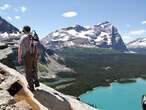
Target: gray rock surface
5	54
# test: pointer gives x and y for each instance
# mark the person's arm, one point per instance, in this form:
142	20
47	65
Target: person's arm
19	55
38	52
20	51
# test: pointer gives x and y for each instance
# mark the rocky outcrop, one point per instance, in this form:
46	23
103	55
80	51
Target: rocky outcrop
44	96
6	54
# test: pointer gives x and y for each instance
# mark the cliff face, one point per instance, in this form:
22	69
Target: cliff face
45	97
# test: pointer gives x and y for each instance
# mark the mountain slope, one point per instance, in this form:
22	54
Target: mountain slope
103	35
7	27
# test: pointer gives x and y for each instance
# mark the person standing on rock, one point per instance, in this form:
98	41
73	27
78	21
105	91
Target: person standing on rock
28	54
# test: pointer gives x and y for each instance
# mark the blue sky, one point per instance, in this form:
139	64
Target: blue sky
45	16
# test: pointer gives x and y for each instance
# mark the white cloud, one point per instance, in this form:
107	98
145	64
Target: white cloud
9	18
137	32
70	14
143	22
23	9
17	17
5	7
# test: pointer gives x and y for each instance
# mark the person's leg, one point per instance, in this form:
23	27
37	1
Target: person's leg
35	75
28	71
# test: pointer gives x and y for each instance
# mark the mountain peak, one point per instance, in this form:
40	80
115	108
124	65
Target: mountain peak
104	24
79	28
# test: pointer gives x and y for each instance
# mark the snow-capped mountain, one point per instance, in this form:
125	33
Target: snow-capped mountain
9	34
138	45
103	35
5	26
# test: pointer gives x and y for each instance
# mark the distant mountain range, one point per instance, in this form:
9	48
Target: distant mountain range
103	35
138	45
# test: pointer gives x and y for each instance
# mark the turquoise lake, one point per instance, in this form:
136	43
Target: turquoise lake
117	96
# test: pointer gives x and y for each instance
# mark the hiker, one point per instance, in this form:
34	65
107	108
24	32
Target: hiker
28	54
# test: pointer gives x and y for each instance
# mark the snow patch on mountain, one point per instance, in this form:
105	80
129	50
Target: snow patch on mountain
11	39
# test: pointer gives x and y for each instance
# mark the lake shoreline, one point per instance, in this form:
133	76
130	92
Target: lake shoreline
123	81
112	97
107	83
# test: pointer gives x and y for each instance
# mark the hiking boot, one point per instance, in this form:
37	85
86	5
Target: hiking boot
31	89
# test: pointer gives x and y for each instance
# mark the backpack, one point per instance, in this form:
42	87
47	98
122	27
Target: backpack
34	46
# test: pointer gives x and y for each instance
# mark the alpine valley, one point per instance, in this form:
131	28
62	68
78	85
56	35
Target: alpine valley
97	54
